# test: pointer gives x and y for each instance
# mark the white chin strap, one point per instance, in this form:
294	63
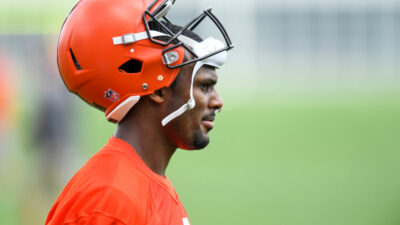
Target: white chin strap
203	48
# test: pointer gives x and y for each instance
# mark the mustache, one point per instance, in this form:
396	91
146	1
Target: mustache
210	116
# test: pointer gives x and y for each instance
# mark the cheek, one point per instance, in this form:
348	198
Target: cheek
201	99
199	110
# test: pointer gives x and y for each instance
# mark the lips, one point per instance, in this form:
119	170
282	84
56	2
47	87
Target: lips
208	121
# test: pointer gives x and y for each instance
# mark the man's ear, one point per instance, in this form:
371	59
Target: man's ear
159	95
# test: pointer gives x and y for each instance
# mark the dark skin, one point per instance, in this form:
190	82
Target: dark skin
155	144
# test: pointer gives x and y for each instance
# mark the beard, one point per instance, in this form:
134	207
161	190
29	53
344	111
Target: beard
200	140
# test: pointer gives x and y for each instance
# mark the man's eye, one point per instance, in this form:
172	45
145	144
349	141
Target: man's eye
205	87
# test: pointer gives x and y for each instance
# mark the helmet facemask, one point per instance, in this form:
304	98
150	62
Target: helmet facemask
160	14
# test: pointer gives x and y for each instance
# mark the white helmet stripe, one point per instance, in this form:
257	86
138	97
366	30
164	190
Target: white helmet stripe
132	38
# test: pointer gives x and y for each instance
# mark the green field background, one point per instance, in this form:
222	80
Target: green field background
281	157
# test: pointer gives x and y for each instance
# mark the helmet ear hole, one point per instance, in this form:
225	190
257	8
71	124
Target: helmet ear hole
131	66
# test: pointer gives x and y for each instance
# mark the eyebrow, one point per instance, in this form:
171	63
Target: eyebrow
209	67
211	80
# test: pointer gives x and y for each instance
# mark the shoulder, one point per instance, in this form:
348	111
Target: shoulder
112	171
108	185
116	169
99	204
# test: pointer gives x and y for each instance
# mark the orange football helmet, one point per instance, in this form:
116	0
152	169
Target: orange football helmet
108	55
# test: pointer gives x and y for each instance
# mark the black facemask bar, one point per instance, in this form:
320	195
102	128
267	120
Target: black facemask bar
189	26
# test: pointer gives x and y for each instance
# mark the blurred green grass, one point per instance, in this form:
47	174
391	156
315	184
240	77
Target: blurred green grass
308	162
290	160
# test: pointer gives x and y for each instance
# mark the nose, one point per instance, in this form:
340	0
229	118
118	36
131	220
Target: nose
216	102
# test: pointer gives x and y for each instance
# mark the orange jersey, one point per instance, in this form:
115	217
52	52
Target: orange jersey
116	187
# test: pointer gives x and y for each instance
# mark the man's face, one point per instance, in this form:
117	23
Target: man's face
190	130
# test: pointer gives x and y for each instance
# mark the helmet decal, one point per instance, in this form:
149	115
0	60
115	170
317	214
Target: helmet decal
111	95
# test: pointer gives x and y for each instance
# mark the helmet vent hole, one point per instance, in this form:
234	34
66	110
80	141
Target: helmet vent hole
77	66
131	66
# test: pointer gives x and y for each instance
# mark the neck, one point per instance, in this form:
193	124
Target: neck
147	138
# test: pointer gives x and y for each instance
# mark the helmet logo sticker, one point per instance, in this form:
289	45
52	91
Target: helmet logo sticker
111	95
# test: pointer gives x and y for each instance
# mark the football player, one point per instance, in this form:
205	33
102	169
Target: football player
156	80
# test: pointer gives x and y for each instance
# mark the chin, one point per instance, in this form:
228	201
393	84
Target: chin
198	141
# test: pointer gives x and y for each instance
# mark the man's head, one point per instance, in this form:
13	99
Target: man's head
113	53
